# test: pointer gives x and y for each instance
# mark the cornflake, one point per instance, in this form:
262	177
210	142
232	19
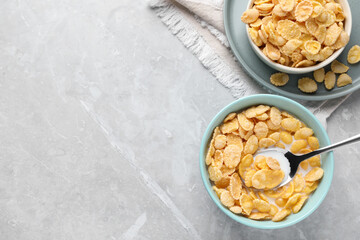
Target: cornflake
303	133
317	9
273	163
279	79
256	24
293	200
232	154
280	202
235	186
289	191
307	85
214	173
272	52
245	123
338	67
312	46
310	187
244	164
248	177
342	40
275	116
262	117
263	197
275	136
250	112
261	109
297	207
332	34
288	29
266	142
291	124
251	145
272	126
304	63
291	46
230	117
281	215
303	11
330	79
313	143
229	126
223	182
296	57
260	162
354	54
277	11
273	210
327	17
343	80
220	141
227	199
235	140
319	75
320	34
261	130
255	37
286	137
259	216
299	183
236	209
218	159
298	145
287	5
274	193
218	191
311	26
246	203
250	15
314	174
265	7
226	171
315	161
261	205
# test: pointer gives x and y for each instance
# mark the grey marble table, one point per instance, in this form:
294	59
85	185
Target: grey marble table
101	115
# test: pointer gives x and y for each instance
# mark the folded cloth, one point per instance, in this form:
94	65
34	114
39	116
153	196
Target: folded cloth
198	24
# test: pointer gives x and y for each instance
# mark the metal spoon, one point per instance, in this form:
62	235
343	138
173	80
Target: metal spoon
294	160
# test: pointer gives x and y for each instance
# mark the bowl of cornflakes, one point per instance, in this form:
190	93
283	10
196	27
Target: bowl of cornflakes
241	181
298	36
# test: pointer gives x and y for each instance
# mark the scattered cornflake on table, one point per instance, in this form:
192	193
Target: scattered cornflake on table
279	79
330	79
319	75
354	54
343	80
307	85
338	67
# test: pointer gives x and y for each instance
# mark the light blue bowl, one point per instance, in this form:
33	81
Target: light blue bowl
304	115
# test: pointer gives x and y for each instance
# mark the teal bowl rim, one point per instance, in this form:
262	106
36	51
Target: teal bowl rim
262	99
268	86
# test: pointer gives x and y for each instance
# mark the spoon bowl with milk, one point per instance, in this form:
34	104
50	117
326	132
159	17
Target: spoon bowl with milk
289	162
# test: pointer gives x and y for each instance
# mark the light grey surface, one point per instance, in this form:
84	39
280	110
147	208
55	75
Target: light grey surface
101	115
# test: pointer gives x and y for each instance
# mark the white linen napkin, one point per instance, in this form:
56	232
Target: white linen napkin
198	24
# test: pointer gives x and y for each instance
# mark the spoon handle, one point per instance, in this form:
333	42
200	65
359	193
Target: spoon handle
331	147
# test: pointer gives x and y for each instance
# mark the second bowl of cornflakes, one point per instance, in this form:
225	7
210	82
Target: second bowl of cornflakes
298	36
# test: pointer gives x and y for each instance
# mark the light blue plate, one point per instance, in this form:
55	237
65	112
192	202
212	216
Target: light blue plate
239	43
303	114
